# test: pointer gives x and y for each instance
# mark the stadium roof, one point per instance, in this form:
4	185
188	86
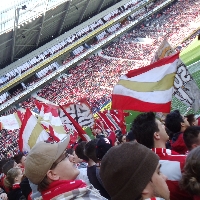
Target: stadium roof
29	24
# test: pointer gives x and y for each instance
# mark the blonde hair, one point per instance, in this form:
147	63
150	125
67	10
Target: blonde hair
10	177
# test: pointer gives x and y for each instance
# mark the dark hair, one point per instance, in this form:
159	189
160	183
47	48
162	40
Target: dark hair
2	163
118	133
190	180
144	126
17	158
7	166
44	184
70	151
190	118
190	136
120	138
130	136
80	151
173	121
90	150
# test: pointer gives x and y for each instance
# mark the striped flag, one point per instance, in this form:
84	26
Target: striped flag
50	119
185	88
31	132
147	89
111	120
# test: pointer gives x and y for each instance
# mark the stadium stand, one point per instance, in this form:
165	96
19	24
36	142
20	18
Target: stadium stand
95	77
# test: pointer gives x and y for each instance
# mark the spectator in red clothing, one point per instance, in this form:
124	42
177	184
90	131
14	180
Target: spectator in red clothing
150	132
190	180
177	124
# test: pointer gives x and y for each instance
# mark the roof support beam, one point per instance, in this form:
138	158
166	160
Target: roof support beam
25	29
114	2
15	33
42	23
100	6
62	21
83	12
27	45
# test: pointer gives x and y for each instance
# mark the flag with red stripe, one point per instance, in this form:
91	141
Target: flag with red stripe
147	89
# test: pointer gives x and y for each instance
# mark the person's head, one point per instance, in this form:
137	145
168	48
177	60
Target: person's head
48	162
96	131
80	148
192	120
102	147
190	180
14	175
20	158
149	131
135	175
130	136
76	159
191	137
8	165
122	139
90	150
175	122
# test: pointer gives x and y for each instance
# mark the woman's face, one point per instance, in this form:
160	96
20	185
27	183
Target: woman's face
22	161
195	123
124	139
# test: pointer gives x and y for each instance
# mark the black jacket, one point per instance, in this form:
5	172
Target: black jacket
16	194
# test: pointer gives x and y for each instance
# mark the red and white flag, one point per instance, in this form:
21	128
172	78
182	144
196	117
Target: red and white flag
49	118
147	89
112	120
185	88
31	132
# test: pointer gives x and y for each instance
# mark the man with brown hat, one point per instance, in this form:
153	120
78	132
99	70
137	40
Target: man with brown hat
132	171
47	165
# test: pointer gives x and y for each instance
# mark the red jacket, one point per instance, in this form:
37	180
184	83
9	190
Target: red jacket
178	144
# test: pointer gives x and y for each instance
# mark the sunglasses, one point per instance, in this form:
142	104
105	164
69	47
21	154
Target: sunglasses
63	156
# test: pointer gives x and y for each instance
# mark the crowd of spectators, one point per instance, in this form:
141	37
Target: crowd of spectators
170	23
9	143
165	166
95	77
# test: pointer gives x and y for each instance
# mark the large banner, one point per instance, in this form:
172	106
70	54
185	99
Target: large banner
185	88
